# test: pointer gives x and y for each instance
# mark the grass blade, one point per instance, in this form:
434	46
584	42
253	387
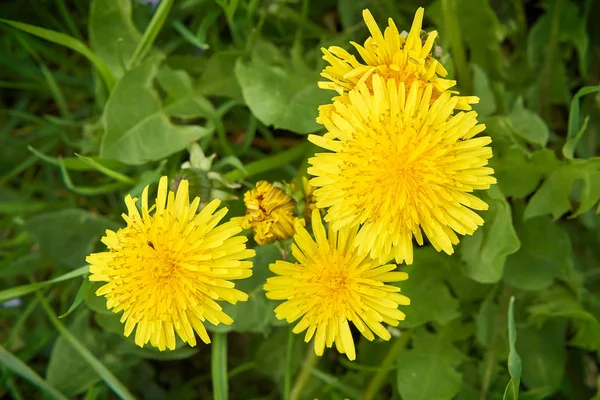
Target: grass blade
85	190
106	171
575	129
11	293
107	376
335	382
514	361
71	43
152	31
20	368
79	297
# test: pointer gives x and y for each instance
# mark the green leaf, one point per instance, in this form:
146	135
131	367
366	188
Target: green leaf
544	354
514	360
519	174
528	124
18	291
140	132
79	297
486	250
575	130
71	43
113	36
20	368
428	275
545	252
68	236
483	89
256	314
428	370
81	353
66	369
217	78
279	95
553	197
560	302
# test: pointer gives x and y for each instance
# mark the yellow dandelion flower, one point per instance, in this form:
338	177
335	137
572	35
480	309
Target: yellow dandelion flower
269	212
401	166
391	56
168	268
332	285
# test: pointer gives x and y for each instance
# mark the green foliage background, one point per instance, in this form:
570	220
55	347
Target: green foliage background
100	99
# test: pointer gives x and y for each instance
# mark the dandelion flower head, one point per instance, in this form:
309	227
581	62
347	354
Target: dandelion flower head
331	285
269	212
391	56
169	267
401	165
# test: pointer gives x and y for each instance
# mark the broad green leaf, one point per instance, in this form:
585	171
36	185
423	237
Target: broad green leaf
183	100
218	78
279	95
483	89
68	236
560	302
270	350
486	250
528	124
515	365
518	173
113	36
137	128
18	367
428	370
543	353
94	302
428	275
66	369
71	43
545	252
554	196
82	353
256	314
485	321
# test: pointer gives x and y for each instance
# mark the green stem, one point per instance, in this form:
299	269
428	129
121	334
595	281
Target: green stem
456	46
310	361
379	378
269	163
287	382
219	366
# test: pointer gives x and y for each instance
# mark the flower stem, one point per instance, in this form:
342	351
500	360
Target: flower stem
309	362
287	382
269	163
379	378
219	366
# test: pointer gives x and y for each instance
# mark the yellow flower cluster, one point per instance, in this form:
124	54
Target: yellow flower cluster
401	162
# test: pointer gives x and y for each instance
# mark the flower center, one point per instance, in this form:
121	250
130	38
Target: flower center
163	267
